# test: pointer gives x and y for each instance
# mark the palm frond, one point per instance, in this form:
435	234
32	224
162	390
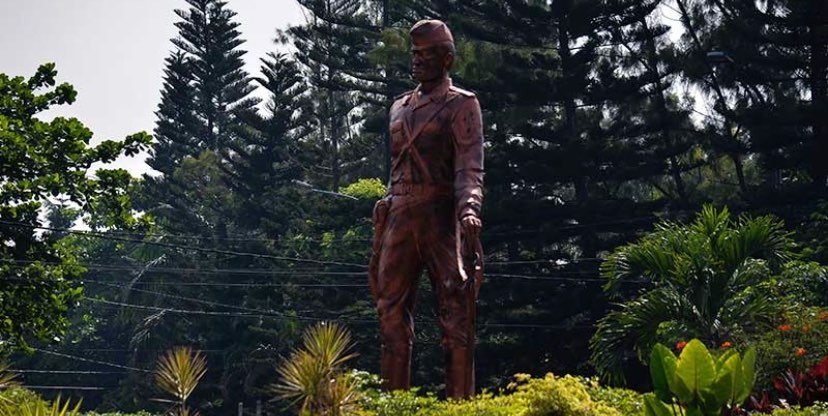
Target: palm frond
633	329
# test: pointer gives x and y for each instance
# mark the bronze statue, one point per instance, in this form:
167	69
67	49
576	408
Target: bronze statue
430	217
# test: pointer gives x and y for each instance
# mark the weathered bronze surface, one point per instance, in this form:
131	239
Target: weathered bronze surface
430	218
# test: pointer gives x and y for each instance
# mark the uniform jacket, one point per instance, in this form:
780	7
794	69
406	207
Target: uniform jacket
437	139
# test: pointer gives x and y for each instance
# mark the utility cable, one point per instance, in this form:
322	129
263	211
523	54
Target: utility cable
87	360
176	246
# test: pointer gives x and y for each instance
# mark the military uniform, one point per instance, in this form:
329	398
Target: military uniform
436	180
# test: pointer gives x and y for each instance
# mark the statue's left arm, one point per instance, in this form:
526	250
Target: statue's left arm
467	127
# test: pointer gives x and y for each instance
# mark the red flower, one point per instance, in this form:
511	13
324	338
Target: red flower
820	370
725	345
800	352
806	328
680	345
823	315
785	327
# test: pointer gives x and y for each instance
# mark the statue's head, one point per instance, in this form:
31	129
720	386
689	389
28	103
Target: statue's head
432	50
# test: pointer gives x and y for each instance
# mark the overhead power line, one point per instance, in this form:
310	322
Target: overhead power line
189	248
333	319
85	388
271	272
88	360
82	372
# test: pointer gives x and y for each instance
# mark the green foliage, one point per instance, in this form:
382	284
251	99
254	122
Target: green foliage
818	409
372	189
796	342
7	378
527	396
178	373
43	160
703	278
628	402
697	382
19	396
39	407
313	376
119	414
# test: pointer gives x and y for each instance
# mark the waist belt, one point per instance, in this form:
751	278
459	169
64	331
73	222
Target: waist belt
421	189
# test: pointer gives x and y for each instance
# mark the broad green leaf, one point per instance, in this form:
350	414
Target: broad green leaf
680	391
655	407
708	403
724	357
727	386
696	367
660	373
748	375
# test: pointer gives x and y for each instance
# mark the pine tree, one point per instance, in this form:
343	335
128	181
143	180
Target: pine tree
210	39
266	157
176	124
343	48
769	83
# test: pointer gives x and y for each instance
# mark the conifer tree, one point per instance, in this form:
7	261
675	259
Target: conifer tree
765	64
266	158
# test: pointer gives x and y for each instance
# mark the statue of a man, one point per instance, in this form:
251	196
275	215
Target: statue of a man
430	218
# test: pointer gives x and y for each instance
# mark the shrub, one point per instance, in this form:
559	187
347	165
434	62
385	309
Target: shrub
396	403
178	373
797	342
313	376
527	396
628	402
365	189
18	396
703	277
119	414
819	409
696	383
40	408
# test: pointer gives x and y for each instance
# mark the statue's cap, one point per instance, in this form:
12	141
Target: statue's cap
428	33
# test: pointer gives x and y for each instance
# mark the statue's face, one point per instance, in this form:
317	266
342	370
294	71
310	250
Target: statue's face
430	64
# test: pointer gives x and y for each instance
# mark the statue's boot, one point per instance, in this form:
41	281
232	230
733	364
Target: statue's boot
459	372
395	367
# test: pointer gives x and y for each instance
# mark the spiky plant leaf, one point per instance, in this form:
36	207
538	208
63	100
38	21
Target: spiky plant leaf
178	372
41	408
7	378
310	377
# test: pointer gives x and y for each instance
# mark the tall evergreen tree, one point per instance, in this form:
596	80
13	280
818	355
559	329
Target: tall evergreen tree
343	48
266	158
769	80
176	124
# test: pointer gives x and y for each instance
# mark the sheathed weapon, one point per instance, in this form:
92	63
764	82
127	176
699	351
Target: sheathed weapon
380	215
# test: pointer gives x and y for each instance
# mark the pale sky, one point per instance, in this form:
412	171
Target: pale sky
113	52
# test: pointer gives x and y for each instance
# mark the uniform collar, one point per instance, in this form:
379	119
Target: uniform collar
436	95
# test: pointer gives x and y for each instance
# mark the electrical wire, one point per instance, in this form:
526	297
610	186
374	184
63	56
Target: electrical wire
81	372
270	272
88	360
85	388
194	300
337	319
176	246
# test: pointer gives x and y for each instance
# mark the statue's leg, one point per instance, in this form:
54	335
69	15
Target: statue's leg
399	267
456	302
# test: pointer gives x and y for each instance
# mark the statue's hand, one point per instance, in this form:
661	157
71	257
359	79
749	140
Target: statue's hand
471	227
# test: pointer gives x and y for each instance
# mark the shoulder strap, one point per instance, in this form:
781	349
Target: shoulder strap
465	93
